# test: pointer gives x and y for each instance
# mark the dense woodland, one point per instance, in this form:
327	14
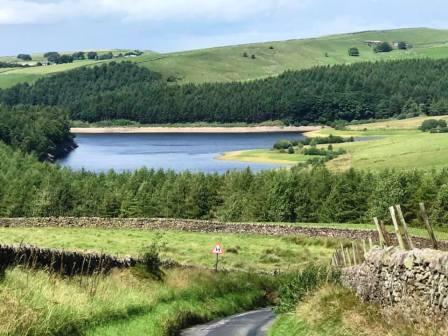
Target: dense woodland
34	129
319	95
33	188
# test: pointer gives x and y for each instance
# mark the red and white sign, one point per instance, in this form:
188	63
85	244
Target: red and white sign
218	249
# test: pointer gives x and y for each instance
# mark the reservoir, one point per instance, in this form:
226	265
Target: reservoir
179	152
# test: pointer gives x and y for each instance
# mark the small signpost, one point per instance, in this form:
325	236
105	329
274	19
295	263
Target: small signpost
217	251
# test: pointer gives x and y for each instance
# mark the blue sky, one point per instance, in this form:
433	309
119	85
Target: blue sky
171	25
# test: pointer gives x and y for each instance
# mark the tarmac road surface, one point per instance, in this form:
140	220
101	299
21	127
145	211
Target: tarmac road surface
253	323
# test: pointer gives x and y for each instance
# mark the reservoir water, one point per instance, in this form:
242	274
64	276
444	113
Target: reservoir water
179	152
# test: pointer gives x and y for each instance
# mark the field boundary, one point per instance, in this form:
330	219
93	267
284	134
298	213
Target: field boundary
203	226
61	261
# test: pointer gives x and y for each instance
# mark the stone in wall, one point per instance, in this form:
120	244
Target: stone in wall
414	281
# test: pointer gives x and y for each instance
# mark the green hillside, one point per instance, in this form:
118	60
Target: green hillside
271	58
228	63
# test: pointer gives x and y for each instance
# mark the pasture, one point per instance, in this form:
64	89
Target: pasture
226	64
242	252
386	144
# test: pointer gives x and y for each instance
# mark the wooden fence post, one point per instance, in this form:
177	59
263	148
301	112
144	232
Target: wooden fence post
380	232
343	255
397	228
354	253
428	225
364	246
385	234
347	252
405	226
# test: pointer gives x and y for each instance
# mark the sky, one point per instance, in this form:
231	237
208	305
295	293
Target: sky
28	26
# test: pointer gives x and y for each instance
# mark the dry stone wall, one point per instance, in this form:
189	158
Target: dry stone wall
415	282
60	261
201	226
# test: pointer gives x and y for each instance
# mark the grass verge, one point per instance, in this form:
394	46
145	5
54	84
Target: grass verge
336	311
123	303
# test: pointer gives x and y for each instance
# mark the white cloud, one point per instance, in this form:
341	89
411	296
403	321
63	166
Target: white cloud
44	11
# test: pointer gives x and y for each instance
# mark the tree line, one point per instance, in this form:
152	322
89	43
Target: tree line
320	95
33	188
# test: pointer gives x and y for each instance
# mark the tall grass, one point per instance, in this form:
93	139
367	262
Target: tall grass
303	283
40	303
335	311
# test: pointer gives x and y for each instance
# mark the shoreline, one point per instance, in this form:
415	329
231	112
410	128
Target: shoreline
197	130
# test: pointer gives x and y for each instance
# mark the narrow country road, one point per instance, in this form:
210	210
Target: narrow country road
253	323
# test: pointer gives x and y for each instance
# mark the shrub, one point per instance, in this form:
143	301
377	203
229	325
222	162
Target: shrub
383	47
302	284
91	55
402	45
282	144
24	57
291	150
353	52
105	56
151	263
433	125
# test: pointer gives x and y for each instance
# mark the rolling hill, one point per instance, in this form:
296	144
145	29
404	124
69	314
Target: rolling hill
225	64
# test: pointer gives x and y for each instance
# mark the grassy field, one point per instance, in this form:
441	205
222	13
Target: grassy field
244	252
129	302
390	144
228	63
12	76
272	58
122	303
336	311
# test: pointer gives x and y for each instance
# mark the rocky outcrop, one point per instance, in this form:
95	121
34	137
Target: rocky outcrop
415	282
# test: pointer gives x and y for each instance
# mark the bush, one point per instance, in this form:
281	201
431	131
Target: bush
291	150
52	56
151	261
65	59
353	52
106	56
79	55
302	284
24	57
433	125
282	144
91	55
402	45
314	151
383	47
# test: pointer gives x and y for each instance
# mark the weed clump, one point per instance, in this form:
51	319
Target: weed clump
303	283
150	263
